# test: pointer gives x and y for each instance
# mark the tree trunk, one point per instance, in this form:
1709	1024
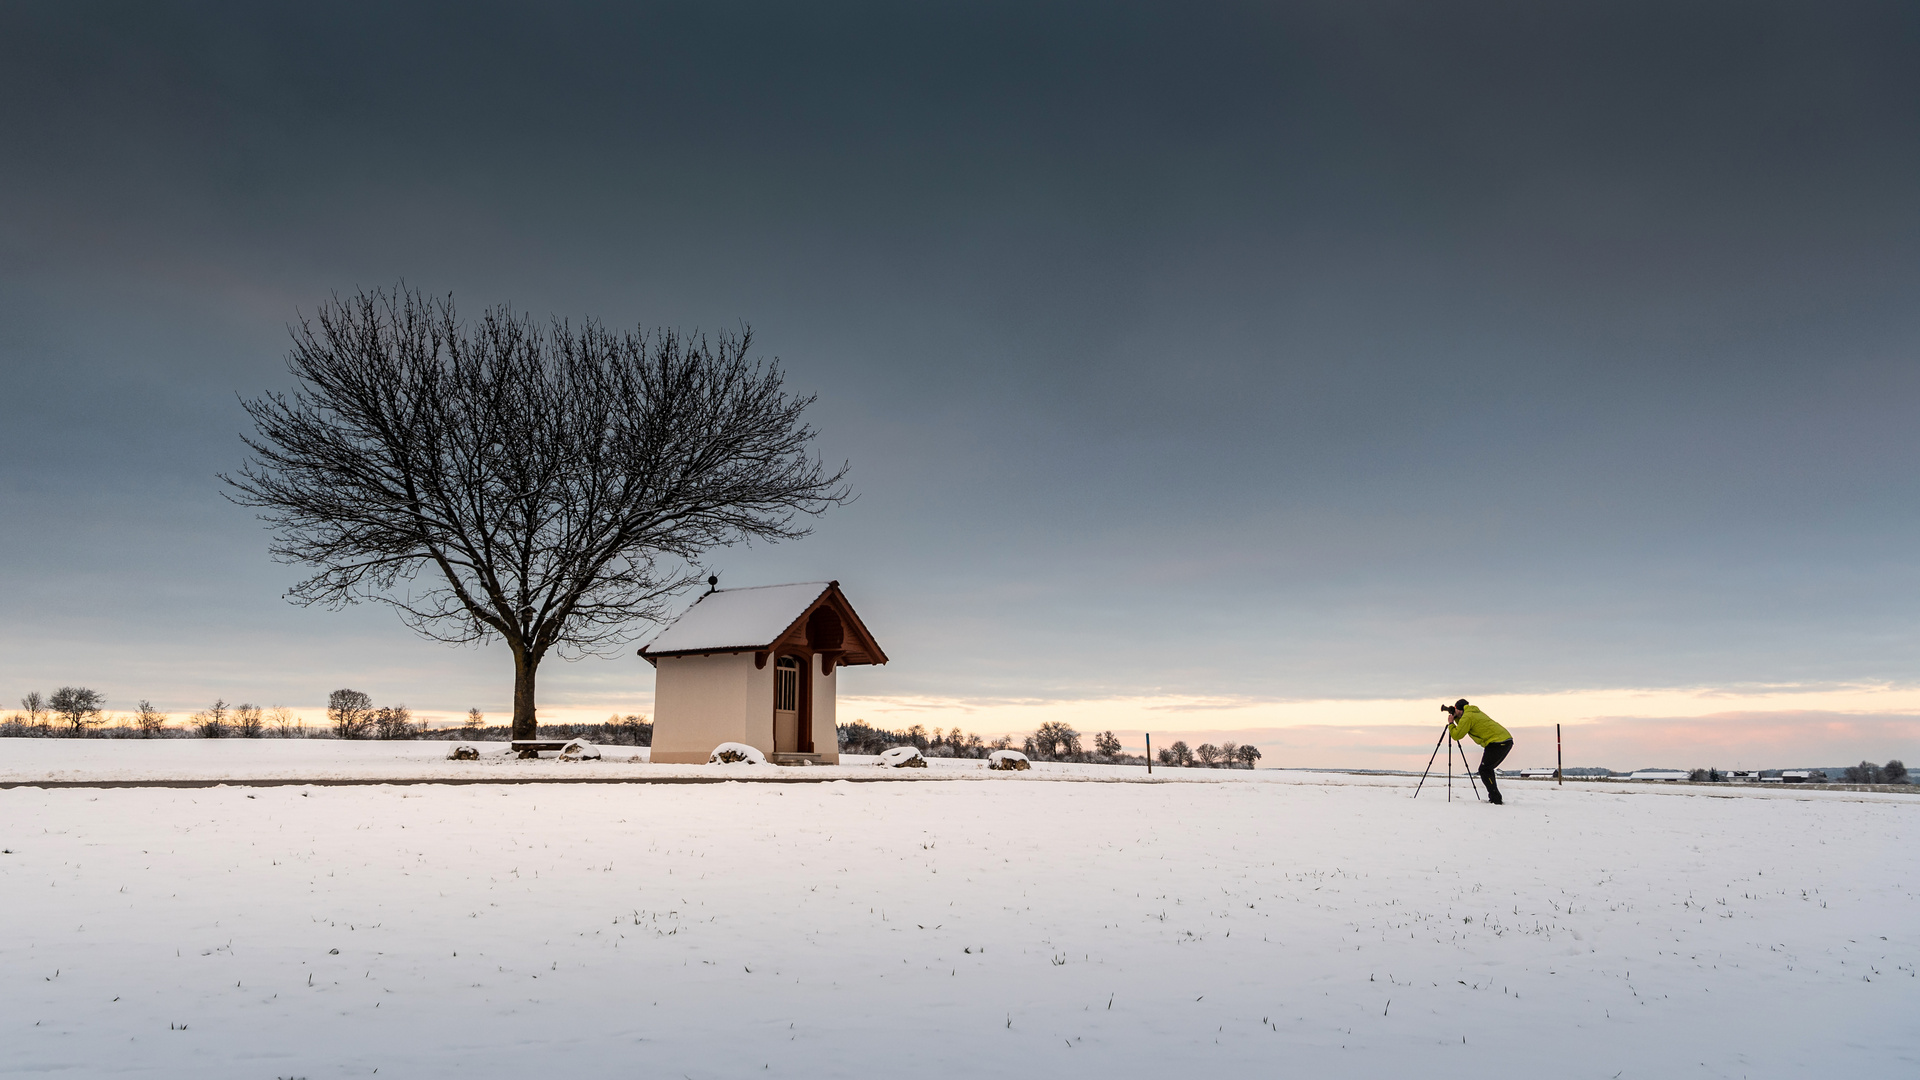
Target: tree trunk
524	667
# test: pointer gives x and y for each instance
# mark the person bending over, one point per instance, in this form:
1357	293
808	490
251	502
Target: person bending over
1495	741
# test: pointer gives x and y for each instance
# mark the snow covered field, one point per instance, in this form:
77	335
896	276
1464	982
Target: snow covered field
1266	924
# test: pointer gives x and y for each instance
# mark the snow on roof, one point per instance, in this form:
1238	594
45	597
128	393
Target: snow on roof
748	618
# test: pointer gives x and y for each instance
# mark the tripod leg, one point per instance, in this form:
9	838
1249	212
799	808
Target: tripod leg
1467	768
1430	760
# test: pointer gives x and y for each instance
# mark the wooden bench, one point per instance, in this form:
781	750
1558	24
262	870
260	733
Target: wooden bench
527	748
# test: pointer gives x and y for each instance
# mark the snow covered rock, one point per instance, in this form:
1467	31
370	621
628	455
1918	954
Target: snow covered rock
580	750
733	753
1008	761
902	757
464	753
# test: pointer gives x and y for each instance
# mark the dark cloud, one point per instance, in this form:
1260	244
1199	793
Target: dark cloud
1255	349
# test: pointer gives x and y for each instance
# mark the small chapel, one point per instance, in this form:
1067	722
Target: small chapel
756	666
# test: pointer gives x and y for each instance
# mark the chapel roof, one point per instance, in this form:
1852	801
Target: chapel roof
758	617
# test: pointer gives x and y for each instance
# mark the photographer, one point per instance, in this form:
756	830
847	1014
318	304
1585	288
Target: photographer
1495	741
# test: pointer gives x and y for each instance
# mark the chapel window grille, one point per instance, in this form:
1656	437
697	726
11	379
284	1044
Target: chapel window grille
786	685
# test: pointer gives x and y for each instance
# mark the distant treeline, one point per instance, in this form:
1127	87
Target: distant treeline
1893	772
1051	741
78	712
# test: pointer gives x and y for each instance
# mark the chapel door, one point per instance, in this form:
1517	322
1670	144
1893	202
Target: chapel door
786	705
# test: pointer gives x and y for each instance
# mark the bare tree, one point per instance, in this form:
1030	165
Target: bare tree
1866	773
212	721
1106	744
476	720
149	720
351	713
284	724
553	488
393	722
35	706
78	706
1207	753
246	721
1055	738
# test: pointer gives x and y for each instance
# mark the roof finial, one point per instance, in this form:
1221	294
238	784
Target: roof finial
713	584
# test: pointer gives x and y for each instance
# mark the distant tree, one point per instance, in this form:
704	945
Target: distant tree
1207	753
1180	754
917	736
1865	773
1055	739
1248	754
476	720
634	729
149	720
393	722
551	487
247	721
78	706
1896	771
284	724
212	721
1003	742
351	713
35	706
1697	775
1106	744
1229	754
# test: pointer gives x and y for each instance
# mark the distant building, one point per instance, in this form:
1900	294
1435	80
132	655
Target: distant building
1537	774
1659	774
756	666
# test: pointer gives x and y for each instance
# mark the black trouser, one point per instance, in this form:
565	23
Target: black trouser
1490	758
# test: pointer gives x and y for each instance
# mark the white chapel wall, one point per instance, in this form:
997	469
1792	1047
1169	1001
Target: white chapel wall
700	702
826	737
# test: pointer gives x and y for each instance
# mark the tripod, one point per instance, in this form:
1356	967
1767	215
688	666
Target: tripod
1445	730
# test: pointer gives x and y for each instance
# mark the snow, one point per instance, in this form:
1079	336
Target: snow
1040	923
580	750
899	756
751	618
1006	759
741	753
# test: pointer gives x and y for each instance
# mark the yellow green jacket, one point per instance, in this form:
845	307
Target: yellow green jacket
1479	725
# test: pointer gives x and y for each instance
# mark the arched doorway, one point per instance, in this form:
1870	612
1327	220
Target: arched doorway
792	714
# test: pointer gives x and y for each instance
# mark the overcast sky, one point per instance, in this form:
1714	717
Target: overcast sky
1253	353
